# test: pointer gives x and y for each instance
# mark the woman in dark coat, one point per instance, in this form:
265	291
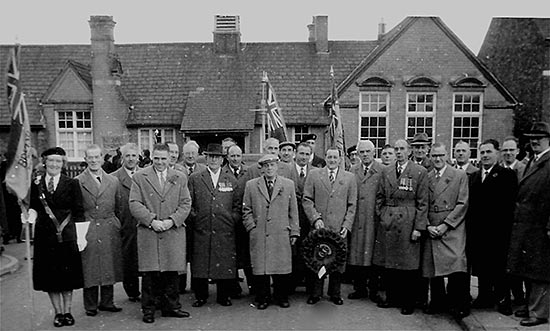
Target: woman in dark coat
57	267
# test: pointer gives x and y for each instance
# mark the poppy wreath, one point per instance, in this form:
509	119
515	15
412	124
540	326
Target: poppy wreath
324	247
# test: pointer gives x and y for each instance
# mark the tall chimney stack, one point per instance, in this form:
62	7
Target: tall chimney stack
381	29
109	112
318	33
227	35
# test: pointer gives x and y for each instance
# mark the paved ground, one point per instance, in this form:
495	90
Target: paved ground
15	308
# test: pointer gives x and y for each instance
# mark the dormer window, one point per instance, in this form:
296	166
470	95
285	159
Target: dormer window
422	81
468	82
375	82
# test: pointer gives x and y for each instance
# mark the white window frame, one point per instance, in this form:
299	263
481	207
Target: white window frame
370	113
75	132
151	137
425	114
470	114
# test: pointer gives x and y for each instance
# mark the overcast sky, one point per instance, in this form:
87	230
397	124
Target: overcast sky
66	22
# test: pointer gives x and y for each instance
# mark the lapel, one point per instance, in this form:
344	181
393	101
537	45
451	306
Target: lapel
535	166
207	180
89	183
262	187
444	181
324	179
392	175
125	179
104	182
153	180
277	187
63	182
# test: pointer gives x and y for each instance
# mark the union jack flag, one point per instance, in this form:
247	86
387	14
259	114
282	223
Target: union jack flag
276	127
336	130
19	171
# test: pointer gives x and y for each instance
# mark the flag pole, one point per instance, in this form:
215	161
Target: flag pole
263	106
25	213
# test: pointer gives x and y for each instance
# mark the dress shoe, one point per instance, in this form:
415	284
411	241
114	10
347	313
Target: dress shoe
312	300
224	302
283	304
148	318
68	319
58	320
407	310
262	305
505	309
532	321
134	299
175	313
357	295
112	309
523	313
91	312
337	301
198	303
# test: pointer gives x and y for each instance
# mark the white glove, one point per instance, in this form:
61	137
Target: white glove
32	214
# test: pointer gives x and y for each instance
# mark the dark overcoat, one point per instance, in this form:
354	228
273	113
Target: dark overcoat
160	251
102	257
448	203
363	232
211	219
57	266
489	220
529	255
270	222
402	204
129	225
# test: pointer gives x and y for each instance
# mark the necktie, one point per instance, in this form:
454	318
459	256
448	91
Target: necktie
302	172
190	170
331	176
236	172
270	187
485	174
365	171
99	180
399	170
162	180
437	176
51	188
132	173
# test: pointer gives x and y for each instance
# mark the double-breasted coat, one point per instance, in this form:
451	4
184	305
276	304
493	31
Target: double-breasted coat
299	183
57	266
448	203
489	220
102	257
363	232
334	203
211	219
129	224
402	203
160	251
270	222
529	255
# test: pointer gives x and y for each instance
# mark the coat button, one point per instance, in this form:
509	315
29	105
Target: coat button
267	235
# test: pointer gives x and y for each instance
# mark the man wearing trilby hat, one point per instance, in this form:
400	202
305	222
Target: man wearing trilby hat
529	255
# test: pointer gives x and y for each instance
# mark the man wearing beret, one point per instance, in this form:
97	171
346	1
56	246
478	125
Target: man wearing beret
314	160
270	215
529	255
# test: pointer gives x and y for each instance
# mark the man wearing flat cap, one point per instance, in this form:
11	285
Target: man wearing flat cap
270	215
420	148
314	160
286	151
529	255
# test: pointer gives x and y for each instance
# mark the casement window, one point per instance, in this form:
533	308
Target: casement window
373	118
146	137
420	113
467	112
74	132
299	133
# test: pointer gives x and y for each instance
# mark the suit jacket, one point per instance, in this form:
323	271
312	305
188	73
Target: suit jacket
102	257
129	224
318	162
489	221
519	168
335	203
402	204
213	226
363	232
448	203
529	255
199	167
160	251
270	221
299	183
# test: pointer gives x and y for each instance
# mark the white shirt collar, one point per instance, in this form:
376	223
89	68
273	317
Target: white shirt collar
441	171
130	172
215	176
538	156
299	168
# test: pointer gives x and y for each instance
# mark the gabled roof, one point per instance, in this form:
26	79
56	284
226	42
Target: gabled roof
394	34
83	78
161	81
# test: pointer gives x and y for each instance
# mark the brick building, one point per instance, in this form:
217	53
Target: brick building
517	51
417	77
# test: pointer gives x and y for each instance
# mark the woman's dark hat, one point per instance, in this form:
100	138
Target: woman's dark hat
54	151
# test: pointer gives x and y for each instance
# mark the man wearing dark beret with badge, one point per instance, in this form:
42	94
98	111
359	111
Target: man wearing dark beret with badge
270	215
529	255
213	252
314	160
